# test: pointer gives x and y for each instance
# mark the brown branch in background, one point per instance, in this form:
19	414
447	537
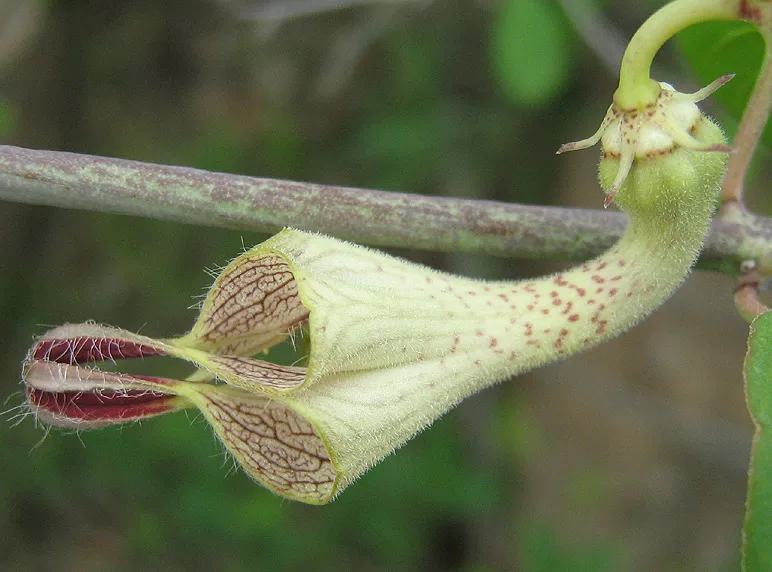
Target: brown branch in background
372	217
748	134
282	10
746	295
19	20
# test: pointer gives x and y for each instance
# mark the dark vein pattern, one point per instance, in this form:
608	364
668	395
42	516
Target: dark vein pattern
256	296
248	371
275	445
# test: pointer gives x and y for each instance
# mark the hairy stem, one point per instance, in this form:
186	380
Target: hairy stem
746	294
636	88
748	134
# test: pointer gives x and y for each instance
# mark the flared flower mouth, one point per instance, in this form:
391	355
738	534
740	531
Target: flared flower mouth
276	446
393	345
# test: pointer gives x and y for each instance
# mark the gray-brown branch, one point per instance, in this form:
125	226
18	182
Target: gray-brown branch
366	216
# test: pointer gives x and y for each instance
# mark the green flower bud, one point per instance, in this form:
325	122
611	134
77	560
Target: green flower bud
653	152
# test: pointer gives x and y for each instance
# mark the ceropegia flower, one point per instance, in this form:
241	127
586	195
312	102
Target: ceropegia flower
393	346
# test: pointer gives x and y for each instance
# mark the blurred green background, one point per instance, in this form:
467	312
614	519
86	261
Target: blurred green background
630	457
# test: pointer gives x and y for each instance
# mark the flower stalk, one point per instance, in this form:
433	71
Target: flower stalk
749	132
636	88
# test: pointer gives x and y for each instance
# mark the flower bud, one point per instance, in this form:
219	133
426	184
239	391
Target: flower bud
649	153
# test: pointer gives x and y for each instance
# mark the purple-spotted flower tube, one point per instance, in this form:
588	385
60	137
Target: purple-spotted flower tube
393	344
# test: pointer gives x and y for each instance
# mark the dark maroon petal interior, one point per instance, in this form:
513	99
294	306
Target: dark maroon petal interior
103	406
87	349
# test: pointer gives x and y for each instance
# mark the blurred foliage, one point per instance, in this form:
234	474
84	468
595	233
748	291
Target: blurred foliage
714	49
544	552
531	51
465	99
7	119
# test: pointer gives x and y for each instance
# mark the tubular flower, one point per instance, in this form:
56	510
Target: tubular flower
393	345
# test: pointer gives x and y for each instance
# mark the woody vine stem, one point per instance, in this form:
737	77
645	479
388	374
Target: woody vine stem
397	219
389	219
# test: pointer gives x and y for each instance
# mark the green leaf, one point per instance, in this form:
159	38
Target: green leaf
757	531
714	49
530	51
7	118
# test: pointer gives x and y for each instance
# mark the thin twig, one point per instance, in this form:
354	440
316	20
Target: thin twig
349	47
746	295
748	134
366	216
281	10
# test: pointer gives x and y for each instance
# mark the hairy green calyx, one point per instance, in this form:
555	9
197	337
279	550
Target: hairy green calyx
659	139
